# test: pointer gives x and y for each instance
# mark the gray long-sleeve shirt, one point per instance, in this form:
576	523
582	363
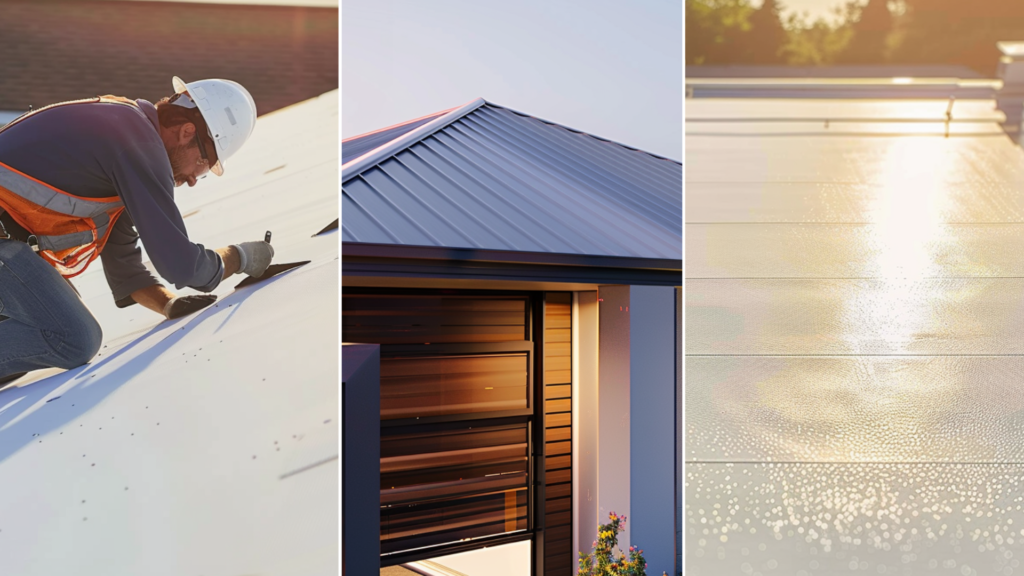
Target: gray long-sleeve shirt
98	150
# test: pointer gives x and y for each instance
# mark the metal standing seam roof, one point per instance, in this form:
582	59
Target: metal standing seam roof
357	146
489	178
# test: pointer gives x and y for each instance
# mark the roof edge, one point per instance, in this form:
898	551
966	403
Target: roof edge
434	115
594	136
365	249
358	165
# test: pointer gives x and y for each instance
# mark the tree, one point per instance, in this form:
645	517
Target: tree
958	32
767	37
715	29
821	41
870	35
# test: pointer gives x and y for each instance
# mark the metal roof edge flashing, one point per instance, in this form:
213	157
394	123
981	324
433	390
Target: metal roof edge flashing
375	156
406	251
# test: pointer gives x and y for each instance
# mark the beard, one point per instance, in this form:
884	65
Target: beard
179	161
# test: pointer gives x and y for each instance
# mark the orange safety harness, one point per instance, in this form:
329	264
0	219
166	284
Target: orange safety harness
68	231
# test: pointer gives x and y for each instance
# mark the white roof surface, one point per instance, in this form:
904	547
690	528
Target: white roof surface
206	445
854	345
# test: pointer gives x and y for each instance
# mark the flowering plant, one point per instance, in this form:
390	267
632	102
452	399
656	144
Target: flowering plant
607	564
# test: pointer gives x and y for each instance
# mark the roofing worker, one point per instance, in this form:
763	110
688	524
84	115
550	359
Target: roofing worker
89	178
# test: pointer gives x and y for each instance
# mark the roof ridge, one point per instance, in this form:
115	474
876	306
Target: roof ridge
578	131
357	165
400	124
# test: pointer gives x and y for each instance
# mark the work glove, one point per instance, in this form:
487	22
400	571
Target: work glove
254	257
185	305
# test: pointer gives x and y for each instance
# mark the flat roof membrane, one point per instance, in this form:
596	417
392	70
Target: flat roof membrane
853	319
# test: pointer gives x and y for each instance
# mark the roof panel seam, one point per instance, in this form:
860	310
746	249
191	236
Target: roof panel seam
377	155
511	189
405	216
480	201
422	203
587	133
588	193
370	217
511	205
605	237
593	146
600	154
452	202
625	190
622	197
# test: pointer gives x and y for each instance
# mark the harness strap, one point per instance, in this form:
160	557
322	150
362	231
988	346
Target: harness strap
65	241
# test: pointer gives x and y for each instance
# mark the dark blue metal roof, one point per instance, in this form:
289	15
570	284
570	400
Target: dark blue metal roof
359	145
488	178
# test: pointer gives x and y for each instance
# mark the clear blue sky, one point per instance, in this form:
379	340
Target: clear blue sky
611	68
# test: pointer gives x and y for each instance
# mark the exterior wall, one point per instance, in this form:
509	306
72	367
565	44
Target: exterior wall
679	430
559	556
585	355
613	414
636	429
652	424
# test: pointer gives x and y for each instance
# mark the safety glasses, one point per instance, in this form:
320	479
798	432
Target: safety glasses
185	101
202	153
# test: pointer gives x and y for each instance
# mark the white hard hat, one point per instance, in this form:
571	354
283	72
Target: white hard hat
229	112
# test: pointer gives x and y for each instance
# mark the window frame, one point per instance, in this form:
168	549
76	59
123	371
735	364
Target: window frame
533	415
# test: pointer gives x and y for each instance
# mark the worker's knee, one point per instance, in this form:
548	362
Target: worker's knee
79	344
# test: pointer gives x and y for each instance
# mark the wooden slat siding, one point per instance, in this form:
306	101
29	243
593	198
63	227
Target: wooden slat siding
556	448
559	557
435	319
556	391
559	420
559	491
556	462
560	533
557	434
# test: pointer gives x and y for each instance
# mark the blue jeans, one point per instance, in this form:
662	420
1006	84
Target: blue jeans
45	323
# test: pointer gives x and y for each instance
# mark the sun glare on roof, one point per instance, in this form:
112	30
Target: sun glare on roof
909	206
905	240
902	80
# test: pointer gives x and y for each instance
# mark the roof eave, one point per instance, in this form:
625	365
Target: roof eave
462	264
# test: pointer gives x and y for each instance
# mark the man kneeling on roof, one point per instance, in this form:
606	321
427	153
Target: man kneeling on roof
90	178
